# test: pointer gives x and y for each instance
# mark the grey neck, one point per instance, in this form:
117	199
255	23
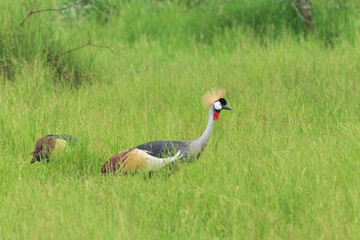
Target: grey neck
199	144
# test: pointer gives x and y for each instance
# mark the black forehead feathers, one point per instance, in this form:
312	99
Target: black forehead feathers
222	101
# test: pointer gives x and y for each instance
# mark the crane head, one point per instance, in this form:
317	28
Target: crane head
219	105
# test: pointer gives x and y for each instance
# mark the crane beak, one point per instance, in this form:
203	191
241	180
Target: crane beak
226	107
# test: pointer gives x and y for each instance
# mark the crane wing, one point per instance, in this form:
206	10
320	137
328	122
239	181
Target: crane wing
136	159
161	149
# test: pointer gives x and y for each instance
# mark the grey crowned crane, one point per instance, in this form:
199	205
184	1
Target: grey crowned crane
154	155
49	145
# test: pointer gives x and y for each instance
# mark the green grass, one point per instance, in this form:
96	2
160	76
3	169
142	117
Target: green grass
284	164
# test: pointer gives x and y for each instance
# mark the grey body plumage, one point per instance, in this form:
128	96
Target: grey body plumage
162	149
189	149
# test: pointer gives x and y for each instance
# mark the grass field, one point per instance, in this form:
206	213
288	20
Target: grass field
284	164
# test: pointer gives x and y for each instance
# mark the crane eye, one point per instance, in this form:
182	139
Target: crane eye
217	105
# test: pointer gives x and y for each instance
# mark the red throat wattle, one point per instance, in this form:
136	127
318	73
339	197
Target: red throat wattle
216	116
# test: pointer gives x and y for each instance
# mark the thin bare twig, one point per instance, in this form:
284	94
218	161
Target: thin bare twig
31	12
108	48
89	43
73	49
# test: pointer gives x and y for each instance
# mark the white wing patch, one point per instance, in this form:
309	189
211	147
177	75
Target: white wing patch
60	145
155	163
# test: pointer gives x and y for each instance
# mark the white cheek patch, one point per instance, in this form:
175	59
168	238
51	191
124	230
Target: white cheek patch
217	105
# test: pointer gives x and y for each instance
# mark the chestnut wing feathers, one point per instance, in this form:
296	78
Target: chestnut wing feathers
162	149
151	155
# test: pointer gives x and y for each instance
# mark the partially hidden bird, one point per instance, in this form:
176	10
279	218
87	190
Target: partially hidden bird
151	156
49	145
